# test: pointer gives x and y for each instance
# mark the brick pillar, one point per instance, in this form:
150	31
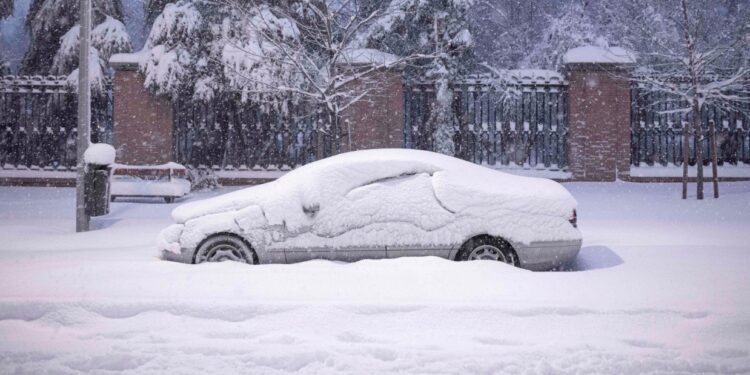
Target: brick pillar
377	120
142	131
598	120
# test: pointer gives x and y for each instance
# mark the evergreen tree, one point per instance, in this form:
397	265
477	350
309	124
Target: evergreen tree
6	9
436	28
107	38
48	21
153	8
571	27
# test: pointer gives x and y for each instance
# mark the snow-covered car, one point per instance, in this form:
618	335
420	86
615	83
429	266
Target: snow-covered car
382	204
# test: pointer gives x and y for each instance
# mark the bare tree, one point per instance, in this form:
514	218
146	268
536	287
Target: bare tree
701	70
304	51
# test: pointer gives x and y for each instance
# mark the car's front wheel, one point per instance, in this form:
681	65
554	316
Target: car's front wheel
224	247
488	248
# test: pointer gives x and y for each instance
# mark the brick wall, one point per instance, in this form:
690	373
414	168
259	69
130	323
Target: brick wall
598	110
599	121
376	121
142	131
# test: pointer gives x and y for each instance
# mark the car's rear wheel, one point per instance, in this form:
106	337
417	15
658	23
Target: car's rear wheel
488	248
224	247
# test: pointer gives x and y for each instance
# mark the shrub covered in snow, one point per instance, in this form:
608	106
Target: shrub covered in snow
202	179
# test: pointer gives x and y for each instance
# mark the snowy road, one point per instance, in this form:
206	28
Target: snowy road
661	285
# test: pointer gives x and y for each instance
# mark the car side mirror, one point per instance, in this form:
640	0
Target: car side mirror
311	210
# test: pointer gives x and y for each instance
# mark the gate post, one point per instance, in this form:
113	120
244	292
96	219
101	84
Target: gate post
376	120
599	112
142	122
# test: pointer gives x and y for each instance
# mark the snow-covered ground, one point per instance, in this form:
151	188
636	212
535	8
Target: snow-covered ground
661	285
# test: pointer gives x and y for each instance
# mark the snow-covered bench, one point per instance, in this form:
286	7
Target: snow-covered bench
168	181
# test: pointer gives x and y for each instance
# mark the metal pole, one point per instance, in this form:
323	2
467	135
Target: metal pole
84	114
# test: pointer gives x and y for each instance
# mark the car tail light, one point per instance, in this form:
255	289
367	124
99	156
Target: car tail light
574	219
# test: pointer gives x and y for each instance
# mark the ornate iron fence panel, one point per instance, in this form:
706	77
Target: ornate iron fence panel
657	130
520	122
38	121
227	134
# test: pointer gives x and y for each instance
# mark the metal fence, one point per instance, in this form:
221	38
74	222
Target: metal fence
518	122
227	134
38	123
657	130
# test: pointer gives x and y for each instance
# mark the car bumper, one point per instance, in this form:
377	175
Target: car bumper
183	257
542	256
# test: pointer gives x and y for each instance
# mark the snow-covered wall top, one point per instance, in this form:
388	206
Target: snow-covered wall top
368	56
598	55
127	59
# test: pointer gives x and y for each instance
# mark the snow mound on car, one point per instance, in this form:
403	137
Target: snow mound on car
457	184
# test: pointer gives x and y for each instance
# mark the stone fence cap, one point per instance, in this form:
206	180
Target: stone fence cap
127	60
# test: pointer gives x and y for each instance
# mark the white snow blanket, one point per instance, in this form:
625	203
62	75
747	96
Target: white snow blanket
123	187
599	55
164	183
660	287
99	154
382	197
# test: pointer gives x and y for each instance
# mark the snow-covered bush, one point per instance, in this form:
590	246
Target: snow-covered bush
202	179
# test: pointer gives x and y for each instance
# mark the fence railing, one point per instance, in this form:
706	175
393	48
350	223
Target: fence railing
227	134
38	122
518	123
657	131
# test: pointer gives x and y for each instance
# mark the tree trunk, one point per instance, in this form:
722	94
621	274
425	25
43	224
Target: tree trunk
714	158
685	158
443	127
698	147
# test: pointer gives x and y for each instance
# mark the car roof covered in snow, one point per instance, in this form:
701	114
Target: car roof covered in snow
460	183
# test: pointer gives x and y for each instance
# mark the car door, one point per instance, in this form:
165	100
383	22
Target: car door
358	210
418	224
337	232
389	217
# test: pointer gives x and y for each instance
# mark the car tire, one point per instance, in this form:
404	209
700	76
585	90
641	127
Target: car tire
169	199
225	247
488	248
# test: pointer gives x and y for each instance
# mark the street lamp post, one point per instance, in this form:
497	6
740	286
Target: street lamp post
84	114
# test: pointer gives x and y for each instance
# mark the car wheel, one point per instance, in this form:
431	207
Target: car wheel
224	247
169	199
488	248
